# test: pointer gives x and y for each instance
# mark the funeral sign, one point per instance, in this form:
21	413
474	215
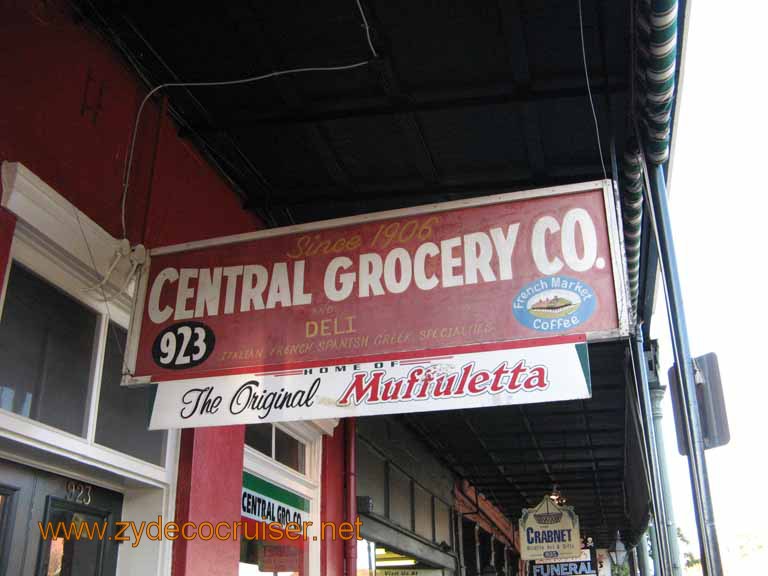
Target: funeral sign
519	266
579	565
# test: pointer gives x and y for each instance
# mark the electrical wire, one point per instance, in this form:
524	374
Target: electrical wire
240	81
367	29
100	286
589	91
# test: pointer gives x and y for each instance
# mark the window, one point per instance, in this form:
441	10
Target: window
51	346
442	522
289	451
73	557
46	346
259	437
422	509
274	442
124	412
372	477
400	498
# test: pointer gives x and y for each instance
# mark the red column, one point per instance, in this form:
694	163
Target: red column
350	473
208	489
7	226
332	500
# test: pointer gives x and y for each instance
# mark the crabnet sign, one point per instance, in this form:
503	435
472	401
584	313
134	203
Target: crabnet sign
407	284
484	375
549	532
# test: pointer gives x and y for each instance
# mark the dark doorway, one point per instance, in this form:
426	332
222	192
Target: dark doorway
29	497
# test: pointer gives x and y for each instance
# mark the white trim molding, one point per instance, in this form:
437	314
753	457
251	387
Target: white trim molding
46	217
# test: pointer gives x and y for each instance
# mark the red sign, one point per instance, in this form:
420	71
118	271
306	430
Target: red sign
509	267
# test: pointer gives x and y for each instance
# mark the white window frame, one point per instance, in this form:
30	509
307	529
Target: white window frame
59	243
308	484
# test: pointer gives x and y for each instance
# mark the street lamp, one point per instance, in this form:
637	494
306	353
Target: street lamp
618	551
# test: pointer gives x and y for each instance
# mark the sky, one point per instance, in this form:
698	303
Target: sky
719	210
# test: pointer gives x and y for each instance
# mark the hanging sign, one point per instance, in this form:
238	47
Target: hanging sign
517	266
262	501
281	559
408	572
483	375
581	564
563	568
549	532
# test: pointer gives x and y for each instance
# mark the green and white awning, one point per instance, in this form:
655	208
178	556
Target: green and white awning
655	75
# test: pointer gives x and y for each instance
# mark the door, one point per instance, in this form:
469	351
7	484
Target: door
29	497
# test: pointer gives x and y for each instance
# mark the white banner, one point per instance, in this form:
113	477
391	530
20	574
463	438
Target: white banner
521	372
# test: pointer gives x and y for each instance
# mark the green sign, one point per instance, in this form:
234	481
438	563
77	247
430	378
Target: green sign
265	502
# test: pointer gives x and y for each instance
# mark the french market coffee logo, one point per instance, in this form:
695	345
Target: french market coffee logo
183	345
554	304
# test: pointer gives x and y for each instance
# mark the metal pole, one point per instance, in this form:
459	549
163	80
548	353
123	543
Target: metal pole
632	557
654	549
656	197
478	567
460	544
657	394
657	488
643	561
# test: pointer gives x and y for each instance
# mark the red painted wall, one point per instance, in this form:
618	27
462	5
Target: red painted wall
332	500
68	106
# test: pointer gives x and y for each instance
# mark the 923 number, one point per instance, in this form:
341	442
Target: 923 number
183	345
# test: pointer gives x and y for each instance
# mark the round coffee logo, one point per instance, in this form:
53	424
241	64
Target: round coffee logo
554	304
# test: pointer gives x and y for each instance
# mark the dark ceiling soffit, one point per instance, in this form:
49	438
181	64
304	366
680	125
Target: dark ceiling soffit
216	146
417	193
509	94
260	195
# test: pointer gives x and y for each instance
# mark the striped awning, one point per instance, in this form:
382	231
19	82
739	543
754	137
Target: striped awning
654	90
